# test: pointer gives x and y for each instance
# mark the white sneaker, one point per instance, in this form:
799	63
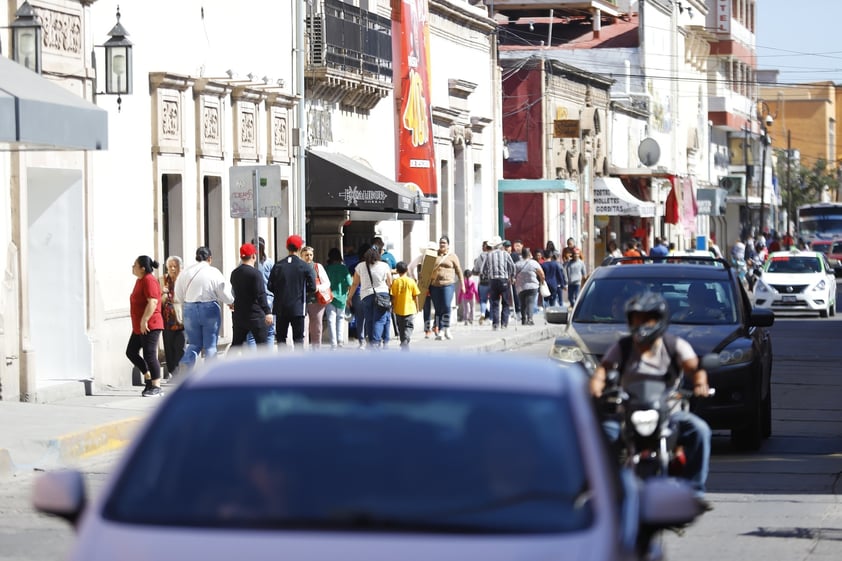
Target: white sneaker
447	334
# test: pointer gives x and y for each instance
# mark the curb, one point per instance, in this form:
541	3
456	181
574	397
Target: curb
513	339
79	445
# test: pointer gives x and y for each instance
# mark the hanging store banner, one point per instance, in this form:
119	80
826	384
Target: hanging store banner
411	50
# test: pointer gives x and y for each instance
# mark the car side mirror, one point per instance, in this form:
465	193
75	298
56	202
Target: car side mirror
556	314
60	493
666	502
761	317
710	361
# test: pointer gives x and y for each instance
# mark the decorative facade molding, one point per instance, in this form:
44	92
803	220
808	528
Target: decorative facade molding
278	107
245	102
62	31
209	99
168	118
478	125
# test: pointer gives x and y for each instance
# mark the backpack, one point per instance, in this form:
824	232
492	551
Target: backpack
674	371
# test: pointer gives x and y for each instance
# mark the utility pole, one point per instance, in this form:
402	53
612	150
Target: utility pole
789	217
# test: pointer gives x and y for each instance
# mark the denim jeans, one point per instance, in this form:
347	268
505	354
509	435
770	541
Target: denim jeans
442	299
335	325
376	321
201	325
270	335
500	289
694	435
527	304
483	290
572	292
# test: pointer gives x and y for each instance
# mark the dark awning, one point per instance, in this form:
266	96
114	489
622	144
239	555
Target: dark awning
339	182
37	114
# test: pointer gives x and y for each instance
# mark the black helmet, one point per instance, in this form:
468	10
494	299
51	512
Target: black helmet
651	304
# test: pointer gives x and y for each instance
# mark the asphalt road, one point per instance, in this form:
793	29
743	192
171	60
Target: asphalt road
780	503
776	504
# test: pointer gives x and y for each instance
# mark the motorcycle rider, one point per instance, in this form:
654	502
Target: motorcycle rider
647	315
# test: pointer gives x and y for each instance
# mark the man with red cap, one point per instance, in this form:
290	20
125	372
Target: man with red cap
291	281
251	311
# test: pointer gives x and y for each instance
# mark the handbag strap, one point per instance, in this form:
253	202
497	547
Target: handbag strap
369	276
189	283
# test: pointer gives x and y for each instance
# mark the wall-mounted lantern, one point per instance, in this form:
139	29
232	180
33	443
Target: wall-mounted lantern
118	62
26	38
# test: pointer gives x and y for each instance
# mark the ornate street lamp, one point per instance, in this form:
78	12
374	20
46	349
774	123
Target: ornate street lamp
26	38
118	62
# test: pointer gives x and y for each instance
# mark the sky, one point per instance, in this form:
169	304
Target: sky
801	39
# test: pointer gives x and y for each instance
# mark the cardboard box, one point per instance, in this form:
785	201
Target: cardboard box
426	275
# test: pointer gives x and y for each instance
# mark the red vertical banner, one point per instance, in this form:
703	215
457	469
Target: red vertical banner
411	55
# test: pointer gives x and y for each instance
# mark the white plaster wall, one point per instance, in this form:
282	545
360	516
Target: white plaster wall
249	36
56	275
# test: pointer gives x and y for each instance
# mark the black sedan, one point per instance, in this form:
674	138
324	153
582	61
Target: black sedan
723	322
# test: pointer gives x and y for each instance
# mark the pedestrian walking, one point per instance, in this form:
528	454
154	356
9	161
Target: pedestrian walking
467	297
318	301
291	281
576	274
147	324
500	270
446	276
528	277
340	281
264	265
373	276
405	292
483	286
554	276
251	313
201	287
173	334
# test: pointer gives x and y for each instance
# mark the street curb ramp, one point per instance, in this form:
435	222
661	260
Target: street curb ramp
65	449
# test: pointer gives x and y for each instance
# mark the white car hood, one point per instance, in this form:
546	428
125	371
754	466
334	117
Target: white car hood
106	542
792	278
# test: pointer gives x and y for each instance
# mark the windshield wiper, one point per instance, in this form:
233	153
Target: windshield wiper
577	500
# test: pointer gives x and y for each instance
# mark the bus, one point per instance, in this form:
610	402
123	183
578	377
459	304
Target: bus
820	221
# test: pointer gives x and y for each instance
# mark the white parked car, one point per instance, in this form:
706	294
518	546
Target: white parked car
797	281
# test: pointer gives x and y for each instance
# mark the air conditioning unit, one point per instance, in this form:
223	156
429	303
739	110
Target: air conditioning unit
735	185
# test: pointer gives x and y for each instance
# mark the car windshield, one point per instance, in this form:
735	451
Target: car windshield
837	248
794	264
690	301
358	459
823	247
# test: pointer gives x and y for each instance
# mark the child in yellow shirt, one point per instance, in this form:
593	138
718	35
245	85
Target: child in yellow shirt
404	303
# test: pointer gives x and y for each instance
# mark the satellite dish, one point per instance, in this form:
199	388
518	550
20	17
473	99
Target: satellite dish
649	152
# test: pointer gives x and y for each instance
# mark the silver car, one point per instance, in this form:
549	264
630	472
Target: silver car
333	456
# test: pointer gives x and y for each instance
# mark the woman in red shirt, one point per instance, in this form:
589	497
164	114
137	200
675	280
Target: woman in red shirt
147	324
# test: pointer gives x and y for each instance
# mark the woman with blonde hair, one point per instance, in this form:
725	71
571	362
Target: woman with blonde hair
315	308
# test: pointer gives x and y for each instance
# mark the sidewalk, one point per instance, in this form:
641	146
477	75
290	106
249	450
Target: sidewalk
36	436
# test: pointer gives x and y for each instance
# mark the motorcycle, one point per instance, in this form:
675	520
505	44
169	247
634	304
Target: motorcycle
648	439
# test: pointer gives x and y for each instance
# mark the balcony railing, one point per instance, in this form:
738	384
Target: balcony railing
347	38
350	55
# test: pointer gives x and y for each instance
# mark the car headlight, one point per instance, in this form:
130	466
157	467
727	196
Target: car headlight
573	354
645	421
737	355
567	353
761	287
821	286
